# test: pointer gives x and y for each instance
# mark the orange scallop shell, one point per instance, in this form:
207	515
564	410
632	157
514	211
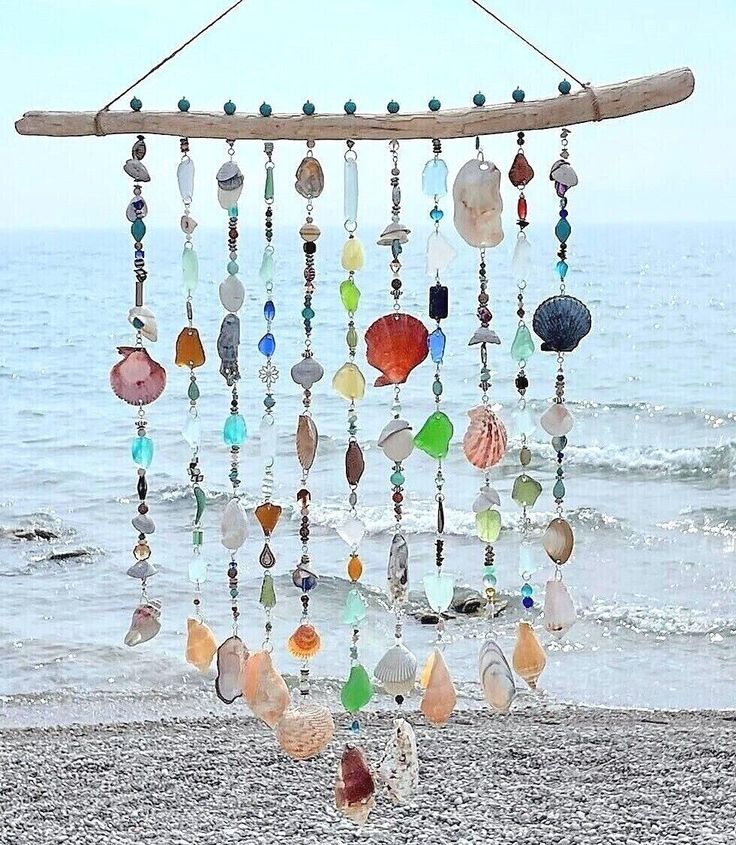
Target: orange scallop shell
484	443
304	642
395	344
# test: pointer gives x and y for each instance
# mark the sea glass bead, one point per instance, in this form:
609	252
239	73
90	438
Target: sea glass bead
267	597
436	343
269	310
526	589
232	267
234	431
521	261
488	525
355	609
558	491
189	269
522	347
353	255
351	531
526	491
268	187
192	430
562	268
434	178
350	295
265	273
350	194
142	451
357	690
528	602
435	435
185	179
436	214
267	345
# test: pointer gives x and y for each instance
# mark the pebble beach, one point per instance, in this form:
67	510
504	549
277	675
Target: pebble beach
549	774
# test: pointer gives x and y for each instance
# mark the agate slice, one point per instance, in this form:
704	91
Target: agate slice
484	443
528	658
559	611
561	322
398	568
145	623
395	345
201	644
399	766
478	204
231	658
264	690
189	349
137	379
440	696
307	439
397	670
354	786
558	540
310	180
304	642
496	679
305	730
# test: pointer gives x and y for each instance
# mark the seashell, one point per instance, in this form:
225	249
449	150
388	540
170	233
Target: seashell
185	179
439	697
187	224
476	194
137	209
145	623
483	335
144	320
229	177
397	670
398	568
399	766
561	322
484	443
307	372
528	658
496	679
231	658
310	180
395	344
264	690
558	540
310	232
559	611
564	174
136	170
304	642
397	440
487	498
234	525
139	148
201	644
557	420
232	295
142	569
307	440
189	349
305	730
395	231
354	785
349	382
137	379
227	348
143	523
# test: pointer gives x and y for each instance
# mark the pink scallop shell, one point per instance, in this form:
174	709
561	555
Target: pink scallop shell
395	344
484	443
137	379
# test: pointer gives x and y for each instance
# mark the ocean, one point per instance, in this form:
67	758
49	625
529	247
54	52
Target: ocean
650	481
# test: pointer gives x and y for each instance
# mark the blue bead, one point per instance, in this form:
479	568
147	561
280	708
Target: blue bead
355	726
350	107
183	104
479	99
434	104
267	345
232	267
562	268
527	589
142	451
518	96
309	582
436	214
528	602
564	212
307	313
392	107
436	343
229	107
139	253
138	204
308	108
269	310
563	230
265	110
234	432
136	104
564	87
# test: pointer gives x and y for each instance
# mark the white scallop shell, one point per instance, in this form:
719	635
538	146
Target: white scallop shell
148	318
496	678
397	670
397	440
234	526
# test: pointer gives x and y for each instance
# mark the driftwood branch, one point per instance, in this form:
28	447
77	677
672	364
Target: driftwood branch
604	103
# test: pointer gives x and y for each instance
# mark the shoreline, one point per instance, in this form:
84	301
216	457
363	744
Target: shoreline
556	773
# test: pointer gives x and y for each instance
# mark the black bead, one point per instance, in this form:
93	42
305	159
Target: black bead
522	382
438	302
310	248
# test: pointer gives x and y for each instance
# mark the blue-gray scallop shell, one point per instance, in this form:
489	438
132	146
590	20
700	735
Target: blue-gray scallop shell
561	322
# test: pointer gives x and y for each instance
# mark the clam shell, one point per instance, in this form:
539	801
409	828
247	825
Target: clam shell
305	730
396	440
137	379
395	345
484	443
557	420
397	670
476	194
145	623
136	170
231	658
484	335
354	785
561	322
149	330
201	644
264	690
558	540
229	177
528	658
307	372
559	611
394	232
399	766
496	679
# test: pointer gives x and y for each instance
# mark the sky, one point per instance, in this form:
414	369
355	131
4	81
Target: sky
665	165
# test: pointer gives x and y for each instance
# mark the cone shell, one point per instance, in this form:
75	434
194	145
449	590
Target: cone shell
395	344
559	611
484	443
201	644
558	540
305	730
528	658
304	642
496	679
561	322
397	670
137	379
264	690
231	658
440	696
354	785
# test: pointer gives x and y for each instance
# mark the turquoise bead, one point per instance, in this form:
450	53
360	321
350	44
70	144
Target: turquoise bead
393	107
183	104
437	388
489	570
564	87
490	580
518	96
138	229
136	104
193	391
308	313
436	214
527	589
350	107
558	491
234	432
397	479
229	107
562	268
434	104
142	451
233	267
233	211
265	110
479	99
563	230
308	108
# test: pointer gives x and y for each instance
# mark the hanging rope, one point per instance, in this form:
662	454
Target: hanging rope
529	43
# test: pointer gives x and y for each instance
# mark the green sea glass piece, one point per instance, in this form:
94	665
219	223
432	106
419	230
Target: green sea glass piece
435	435
526	491
350	295
189	269
488	525
265	274
268	594
523	346
201	501
357	691
268	190
355	608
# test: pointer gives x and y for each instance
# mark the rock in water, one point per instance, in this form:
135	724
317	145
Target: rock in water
354	785
478	204
399	766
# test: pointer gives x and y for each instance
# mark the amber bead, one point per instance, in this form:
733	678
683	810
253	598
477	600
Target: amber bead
355	568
